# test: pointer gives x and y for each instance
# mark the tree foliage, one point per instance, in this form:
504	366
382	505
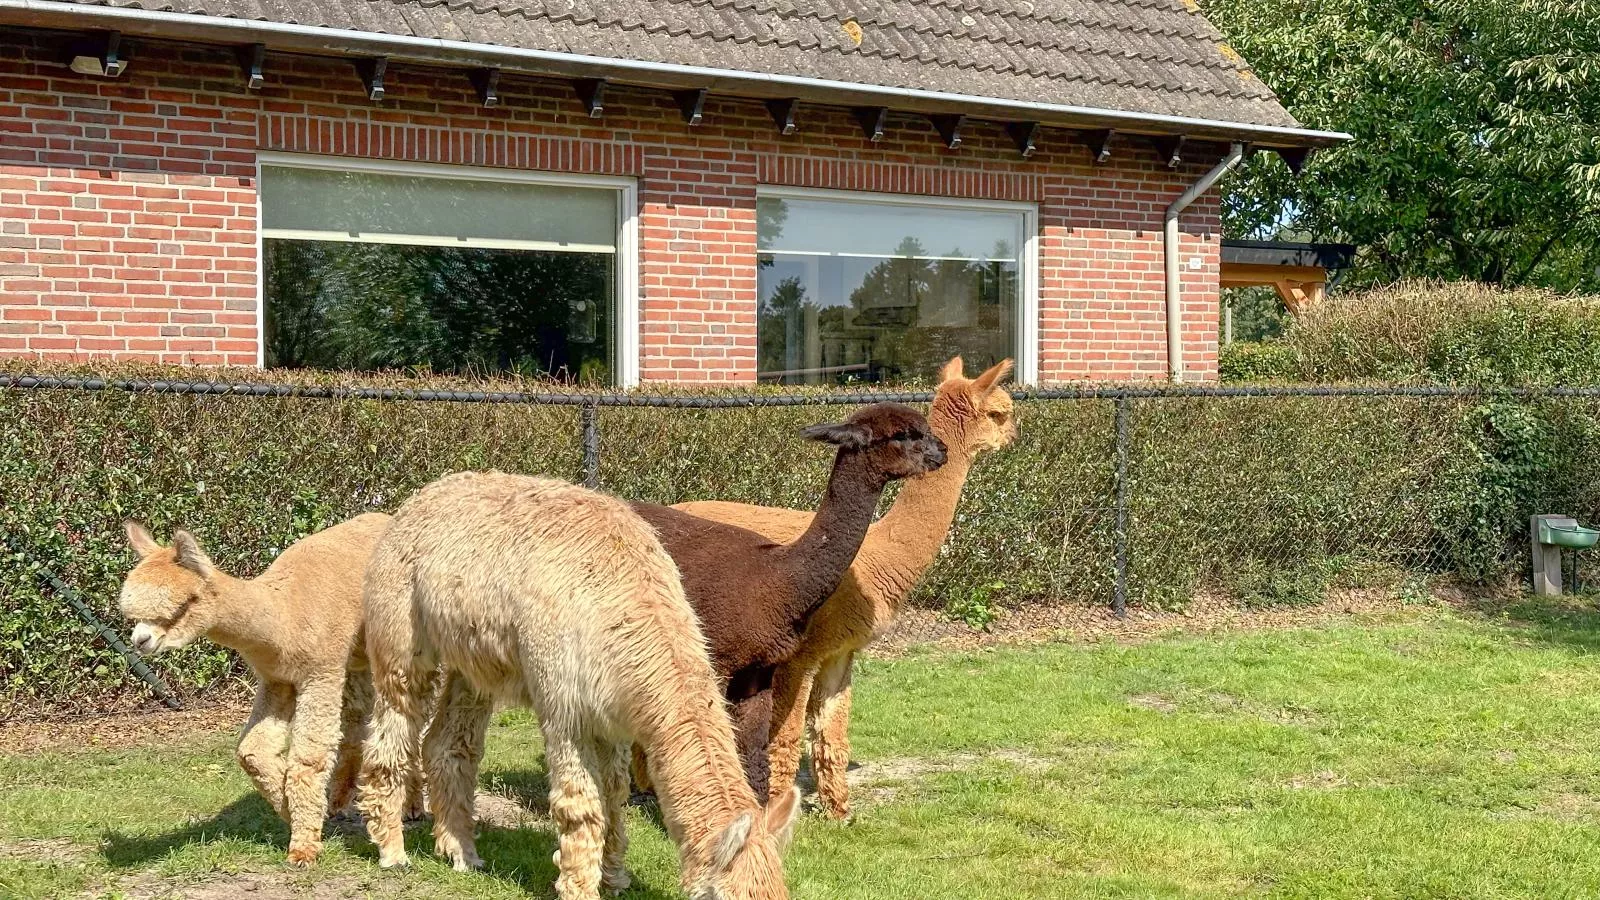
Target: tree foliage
1477	134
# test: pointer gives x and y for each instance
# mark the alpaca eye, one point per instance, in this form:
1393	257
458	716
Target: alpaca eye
999	417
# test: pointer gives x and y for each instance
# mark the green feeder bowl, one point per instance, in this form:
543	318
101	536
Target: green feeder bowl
1575	537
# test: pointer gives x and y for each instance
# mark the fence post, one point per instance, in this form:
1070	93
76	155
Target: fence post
1119	533
591	445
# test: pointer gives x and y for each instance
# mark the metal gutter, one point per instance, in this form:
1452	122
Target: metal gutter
344	42
1169	250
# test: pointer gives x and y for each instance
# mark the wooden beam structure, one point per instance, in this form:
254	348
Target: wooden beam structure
1024	135
692	104
873	120
592	94
253	60
1300	287
783	114
1170	149
371	72
487	83
949	128
1099	144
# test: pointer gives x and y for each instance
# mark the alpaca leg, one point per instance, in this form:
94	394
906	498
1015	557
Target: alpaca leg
578	811
614	760
752	724
390	747
315	737
263	741
352	731
452	751
830	730
791	688
641	769
416	806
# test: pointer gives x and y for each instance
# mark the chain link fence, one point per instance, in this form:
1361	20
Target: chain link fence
1124	496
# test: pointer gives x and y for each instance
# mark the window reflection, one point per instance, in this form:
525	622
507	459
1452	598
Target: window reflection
860	292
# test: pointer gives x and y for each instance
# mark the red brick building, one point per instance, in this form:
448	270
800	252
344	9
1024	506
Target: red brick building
697	190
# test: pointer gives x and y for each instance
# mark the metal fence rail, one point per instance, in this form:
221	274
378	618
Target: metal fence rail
1138	492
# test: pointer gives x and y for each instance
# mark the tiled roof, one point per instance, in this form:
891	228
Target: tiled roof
1142	56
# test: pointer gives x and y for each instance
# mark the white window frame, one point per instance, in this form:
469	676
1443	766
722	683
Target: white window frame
627	193
1027	324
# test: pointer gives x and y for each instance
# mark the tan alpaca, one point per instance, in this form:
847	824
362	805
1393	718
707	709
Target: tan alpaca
548	595
298	627
971	417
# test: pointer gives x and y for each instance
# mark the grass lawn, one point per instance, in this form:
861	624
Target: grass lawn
1428	753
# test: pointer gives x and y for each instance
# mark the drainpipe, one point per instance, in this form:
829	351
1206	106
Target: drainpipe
1170	248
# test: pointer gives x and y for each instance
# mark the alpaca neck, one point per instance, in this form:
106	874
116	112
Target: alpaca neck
696	770
817	559
906	541
244	619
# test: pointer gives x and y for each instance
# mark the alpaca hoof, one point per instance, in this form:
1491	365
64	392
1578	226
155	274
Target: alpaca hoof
615	882
303	855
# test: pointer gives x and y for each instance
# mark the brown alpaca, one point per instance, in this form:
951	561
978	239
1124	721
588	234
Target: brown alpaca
971	417
552	596
753	596
298	628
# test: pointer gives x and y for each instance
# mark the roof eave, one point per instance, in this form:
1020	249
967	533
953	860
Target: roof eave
321	41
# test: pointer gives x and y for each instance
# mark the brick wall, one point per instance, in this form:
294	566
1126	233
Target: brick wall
128	206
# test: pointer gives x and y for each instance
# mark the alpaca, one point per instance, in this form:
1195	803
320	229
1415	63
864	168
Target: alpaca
298	627
971	417
753	596
549	595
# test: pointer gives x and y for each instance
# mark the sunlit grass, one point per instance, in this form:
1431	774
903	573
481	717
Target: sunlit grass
1430	754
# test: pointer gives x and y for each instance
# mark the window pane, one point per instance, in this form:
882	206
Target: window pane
328	205
886	229
883	292
374	271
336	305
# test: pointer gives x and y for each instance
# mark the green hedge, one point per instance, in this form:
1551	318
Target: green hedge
1457	333
1271	500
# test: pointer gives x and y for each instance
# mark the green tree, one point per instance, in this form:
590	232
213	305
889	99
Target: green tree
1477	134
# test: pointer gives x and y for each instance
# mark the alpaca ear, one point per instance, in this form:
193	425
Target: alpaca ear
190	556
851	437
733	839
781	816
950	370
986	382
139	539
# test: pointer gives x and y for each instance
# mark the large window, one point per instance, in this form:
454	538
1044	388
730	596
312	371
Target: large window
873	288
454	270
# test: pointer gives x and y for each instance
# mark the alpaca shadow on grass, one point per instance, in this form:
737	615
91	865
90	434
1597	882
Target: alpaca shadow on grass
248	818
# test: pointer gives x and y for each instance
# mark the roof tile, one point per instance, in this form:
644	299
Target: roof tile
1147	56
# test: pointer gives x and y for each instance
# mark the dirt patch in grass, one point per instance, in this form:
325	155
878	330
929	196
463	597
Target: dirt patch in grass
1155	702
1317	781
44	850
926	628
121	731
876	782
280	885
1570	806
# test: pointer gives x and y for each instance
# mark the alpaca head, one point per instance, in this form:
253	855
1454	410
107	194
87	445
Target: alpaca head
744	863
896	440
974	413
170	595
